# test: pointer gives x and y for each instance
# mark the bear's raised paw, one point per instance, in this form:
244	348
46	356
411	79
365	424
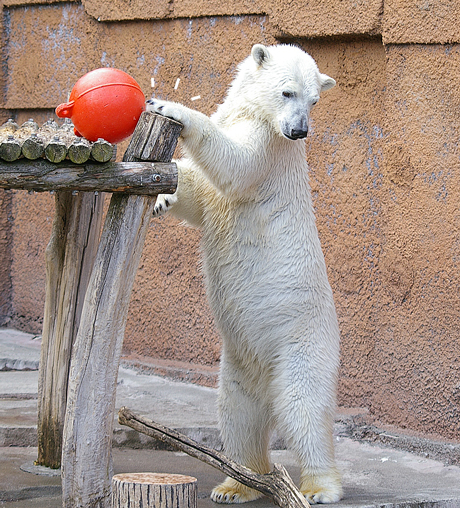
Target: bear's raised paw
172	110
231	491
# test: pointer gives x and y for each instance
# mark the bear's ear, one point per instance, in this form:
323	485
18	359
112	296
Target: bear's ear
260	54
326	82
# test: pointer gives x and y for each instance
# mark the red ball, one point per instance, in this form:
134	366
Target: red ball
104	103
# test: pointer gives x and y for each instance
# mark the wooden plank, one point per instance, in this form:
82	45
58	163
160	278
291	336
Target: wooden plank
87	459
142	178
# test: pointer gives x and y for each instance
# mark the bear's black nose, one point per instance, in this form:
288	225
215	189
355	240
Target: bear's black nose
298	133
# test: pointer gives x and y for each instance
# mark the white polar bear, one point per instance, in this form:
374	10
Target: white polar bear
245	184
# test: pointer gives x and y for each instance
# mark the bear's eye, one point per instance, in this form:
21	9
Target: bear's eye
314	101
287	94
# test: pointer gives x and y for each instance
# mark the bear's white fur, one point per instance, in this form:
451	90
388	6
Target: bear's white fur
245	184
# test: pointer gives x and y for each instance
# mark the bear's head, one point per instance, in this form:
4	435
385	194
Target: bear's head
281	84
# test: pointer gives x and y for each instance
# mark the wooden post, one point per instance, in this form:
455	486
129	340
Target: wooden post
69	258
87	455
153	490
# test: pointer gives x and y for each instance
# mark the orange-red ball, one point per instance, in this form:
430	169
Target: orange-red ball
104	103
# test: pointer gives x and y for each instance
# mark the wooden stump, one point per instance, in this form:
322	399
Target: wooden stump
153	490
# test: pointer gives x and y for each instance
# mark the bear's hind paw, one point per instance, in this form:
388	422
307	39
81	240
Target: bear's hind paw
322	488
231	491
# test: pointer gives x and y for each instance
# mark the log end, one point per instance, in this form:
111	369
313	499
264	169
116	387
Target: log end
154	478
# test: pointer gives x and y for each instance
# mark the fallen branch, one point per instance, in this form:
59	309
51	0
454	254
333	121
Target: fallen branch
277	485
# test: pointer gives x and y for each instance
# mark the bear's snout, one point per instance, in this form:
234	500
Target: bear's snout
294	126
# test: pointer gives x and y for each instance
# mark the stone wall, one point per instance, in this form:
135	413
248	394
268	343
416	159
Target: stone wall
384	162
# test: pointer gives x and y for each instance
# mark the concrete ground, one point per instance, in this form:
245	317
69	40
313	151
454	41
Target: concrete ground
375	474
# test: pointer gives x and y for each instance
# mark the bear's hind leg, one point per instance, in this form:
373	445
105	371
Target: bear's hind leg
305	415
245	424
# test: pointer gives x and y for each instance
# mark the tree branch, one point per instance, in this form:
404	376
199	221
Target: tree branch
277	485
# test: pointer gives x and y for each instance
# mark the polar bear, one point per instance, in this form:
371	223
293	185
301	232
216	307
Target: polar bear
244	182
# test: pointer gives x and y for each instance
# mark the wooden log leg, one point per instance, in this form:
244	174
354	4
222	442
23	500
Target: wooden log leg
87	462
69	258
153	490
87	454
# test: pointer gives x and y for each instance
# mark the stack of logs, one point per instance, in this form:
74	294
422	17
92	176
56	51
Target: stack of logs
52	142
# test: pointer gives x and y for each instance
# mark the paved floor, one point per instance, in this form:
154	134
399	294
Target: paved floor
373	476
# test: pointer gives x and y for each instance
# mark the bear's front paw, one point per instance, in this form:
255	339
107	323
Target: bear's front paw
324	488
163	203
171	110
231	491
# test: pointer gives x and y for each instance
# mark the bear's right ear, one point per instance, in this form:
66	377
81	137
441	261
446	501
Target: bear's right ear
260	54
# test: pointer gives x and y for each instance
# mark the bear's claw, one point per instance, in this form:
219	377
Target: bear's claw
172	110
231	491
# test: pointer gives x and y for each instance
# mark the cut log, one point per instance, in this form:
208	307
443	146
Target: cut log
7	129
26	130
153	490
10	149
48	130
79	151
33	147
277	485
56	149
103	151
87	457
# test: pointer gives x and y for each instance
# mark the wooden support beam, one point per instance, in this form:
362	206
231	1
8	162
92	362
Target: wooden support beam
69	260
277	485
143	178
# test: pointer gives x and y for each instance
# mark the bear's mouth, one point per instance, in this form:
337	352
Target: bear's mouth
296	137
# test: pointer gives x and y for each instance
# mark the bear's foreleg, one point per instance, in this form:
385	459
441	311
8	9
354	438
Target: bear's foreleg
232	159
